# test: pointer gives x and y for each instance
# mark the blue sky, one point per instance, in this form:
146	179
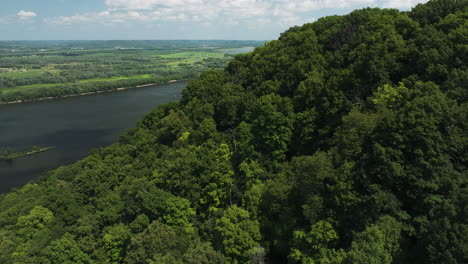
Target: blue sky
168	19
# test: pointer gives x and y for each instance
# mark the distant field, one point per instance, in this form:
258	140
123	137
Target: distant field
190	57
193	54
71	67
25	73
236	50
95	80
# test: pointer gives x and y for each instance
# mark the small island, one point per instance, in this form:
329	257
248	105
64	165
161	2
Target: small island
8	155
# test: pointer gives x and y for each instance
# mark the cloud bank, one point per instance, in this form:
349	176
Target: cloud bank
283	12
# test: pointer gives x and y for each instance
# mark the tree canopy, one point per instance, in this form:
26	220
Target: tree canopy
344	141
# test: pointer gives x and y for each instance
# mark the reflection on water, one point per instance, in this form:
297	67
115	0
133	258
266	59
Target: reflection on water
73	126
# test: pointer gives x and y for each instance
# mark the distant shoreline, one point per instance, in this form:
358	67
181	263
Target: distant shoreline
86	93
34	150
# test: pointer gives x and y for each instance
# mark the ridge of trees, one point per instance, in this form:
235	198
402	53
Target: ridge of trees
344	141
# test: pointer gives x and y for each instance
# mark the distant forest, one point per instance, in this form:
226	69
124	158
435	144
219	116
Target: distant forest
38	69
344	141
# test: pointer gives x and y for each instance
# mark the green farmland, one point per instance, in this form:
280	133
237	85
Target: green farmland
32	70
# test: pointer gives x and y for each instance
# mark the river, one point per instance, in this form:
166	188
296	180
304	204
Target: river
73	125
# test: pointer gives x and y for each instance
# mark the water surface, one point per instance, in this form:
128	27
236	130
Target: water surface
73	125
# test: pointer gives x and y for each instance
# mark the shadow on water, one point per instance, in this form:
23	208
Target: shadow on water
6	163
79	136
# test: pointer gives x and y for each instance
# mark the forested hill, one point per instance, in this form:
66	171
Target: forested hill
344	141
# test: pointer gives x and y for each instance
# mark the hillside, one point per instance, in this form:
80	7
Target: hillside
344	141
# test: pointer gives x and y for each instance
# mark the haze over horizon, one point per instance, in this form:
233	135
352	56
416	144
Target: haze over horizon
169	19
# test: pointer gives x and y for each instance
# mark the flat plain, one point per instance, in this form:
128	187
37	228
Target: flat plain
37	69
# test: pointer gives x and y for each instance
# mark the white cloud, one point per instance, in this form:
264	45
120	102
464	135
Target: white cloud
62	20
231	12
403	4
151	4
25	15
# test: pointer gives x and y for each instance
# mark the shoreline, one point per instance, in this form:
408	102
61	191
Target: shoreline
86	93
33	151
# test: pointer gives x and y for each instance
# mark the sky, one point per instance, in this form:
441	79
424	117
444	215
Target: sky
168	19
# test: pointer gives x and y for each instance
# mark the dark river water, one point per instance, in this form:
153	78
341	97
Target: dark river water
73	126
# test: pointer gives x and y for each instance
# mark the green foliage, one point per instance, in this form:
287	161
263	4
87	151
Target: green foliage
344	141
379	243
237	234
155	244
202	253
315	246
139	224
115	240
37	219
387	96
66	250
271	118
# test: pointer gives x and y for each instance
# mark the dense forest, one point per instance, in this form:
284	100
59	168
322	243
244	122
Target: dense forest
344	141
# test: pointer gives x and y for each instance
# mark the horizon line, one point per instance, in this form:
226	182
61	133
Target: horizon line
133	40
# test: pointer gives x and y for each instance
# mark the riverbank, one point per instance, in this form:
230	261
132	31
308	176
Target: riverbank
86	93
